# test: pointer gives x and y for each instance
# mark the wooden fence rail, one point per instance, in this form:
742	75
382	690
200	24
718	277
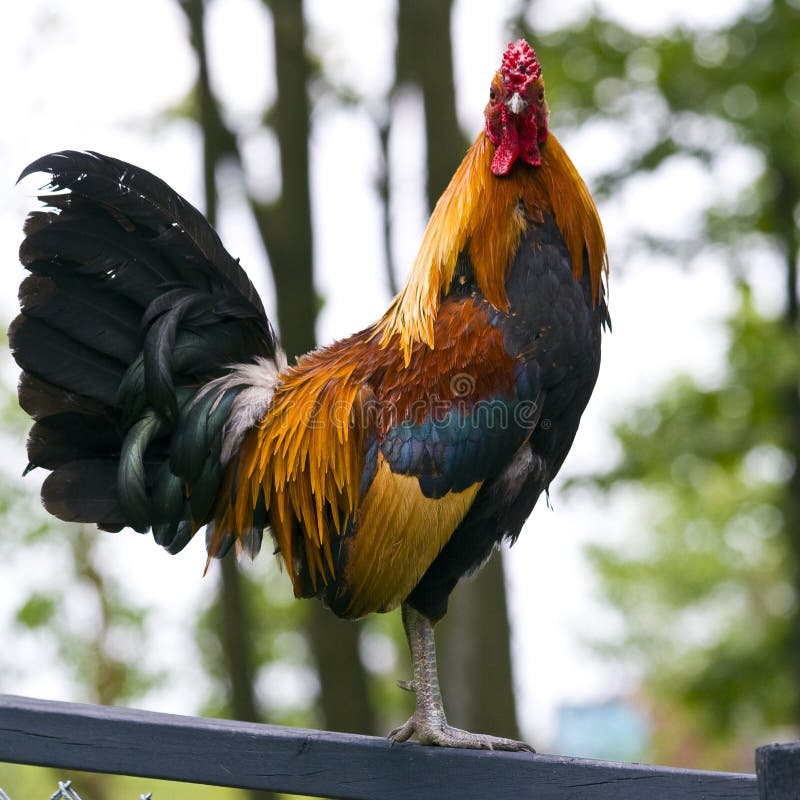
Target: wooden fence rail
124	741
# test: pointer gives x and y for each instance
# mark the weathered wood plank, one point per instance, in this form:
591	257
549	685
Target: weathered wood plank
243	755
778	769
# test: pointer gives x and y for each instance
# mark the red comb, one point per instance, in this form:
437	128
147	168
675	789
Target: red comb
520	67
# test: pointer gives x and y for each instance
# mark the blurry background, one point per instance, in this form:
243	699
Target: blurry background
652	614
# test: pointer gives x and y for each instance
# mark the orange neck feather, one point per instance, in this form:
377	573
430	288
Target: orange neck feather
481	213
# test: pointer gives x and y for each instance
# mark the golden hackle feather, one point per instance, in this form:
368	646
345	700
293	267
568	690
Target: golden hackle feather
480	213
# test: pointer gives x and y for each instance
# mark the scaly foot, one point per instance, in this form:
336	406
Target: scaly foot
428	721
439	732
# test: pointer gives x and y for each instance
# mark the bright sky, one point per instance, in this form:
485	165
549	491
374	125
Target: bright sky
93	77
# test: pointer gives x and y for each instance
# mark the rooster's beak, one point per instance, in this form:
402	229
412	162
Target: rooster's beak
516	103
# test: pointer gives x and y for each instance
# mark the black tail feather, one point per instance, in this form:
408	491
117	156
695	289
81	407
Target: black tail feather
149	203
85	491
58	439
106	322
40	399
121	264
131	307
62	361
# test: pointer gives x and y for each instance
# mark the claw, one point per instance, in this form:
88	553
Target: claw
407	686
440	733
403	733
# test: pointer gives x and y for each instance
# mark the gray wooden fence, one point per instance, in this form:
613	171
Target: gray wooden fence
72	736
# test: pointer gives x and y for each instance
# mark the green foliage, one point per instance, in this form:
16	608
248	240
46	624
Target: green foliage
37	611
275	638
706	585
74	609
690	93
89	642
20	782
281	653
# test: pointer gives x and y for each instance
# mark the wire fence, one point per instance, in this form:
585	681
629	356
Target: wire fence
66	791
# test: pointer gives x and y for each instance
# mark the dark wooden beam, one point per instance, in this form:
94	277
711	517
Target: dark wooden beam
778	768
245	755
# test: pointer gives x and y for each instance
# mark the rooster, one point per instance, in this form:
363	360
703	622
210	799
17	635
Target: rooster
386	466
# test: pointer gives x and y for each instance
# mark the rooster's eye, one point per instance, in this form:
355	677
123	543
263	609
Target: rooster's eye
541	95
492	95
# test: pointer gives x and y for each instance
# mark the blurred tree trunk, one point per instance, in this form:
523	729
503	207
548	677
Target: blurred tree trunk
235	617
287	233
285	225
788	200
425	59
474	638
474	644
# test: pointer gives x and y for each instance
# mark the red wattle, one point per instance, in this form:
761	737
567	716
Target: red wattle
507	146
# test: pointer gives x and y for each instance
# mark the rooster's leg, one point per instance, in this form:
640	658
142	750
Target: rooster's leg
428	721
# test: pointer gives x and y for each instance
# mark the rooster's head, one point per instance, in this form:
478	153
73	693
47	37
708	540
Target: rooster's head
516	114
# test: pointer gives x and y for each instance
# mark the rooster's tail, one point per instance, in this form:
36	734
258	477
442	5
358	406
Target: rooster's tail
145	350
